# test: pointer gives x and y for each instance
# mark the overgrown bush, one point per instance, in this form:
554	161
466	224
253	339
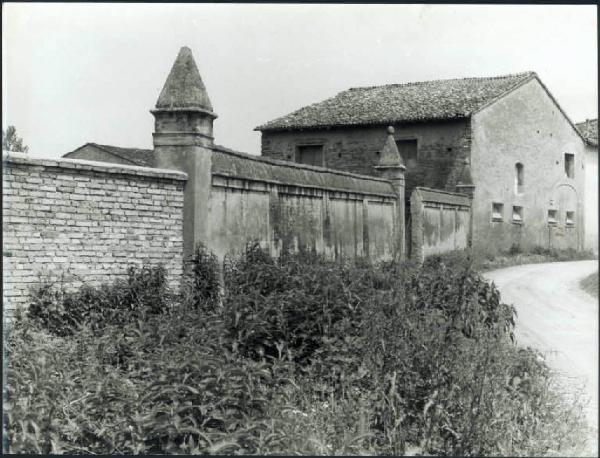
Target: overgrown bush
303	356
204	284
61	311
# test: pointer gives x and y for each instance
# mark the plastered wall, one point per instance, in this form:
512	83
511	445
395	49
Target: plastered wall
299	208
526	127
440	222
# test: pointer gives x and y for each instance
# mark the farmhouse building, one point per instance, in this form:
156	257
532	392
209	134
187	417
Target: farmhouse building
503	140
589	130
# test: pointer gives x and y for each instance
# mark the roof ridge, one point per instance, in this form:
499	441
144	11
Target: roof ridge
131	148
439	80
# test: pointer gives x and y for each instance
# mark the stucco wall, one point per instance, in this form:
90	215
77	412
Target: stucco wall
298	208
591	198
440	222
526	126
355	149
86	220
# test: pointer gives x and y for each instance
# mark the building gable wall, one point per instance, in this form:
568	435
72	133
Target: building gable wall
526	127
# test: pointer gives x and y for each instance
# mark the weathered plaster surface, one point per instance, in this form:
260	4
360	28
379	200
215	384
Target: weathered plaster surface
591	198
440	222
299	208
527	127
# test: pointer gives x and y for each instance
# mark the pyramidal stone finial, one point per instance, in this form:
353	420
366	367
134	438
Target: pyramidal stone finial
184	88
390	156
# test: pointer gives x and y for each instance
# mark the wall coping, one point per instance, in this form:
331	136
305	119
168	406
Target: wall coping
12	157
296	165
441	196
440	191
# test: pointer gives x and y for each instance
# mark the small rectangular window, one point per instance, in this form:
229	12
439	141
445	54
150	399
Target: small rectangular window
310	155
570	219
552	217
408	152
497	211
570	165
517	215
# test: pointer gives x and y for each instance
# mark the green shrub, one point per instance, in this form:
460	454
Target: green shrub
159	385
59	311
204	289
305	356
291	303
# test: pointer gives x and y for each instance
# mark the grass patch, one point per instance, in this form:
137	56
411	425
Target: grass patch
298	355
590	284
515	256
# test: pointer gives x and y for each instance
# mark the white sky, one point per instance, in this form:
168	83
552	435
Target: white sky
77	73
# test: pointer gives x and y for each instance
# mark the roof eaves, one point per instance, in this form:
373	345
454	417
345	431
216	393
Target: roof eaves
378	122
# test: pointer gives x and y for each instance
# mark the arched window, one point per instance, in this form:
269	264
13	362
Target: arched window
519	178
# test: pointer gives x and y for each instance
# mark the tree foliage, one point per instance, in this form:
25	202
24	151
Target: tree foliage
12	142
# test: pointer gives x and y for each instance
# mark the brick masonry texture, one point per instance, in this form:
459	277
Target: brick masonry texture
357	149
86	222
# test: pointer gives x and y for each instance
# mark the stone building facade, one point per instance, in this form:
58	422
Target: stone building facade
503	140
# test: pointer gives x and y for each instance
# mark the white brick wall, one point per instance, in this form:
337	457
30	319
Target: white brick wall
86	221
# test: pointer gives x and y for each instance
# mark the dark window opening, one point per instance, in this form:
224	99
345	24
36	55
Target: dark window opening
408	152
552	217
570	165
497	211
310	155
570	219
517	216
519	178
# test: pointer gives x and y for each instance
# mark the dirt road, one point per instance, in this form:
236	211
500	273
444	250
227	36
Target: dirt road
558	318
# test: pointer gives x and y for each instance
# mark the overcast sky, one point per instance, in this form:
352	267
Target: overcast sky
77	73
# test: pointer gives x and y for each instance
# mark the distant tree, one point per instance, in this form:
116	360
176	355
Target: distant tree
12	142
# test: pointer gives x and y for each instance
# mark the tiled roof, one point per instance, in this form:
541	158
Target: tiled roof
392	103
141	157
184	88
235	164
589	130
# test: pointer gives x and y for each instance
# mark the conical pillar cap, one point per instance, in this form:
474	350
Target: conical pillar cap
390	156
184	88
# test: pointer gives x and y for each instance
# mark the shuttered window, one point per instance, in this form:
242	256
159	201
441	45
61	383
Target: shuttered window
310	155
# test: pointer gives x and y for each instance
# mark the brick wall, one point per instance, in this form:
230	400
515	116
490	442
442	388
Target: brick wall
356	149
86	220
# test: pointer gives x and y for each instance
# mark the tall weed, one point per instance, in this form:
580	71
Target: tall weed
302	356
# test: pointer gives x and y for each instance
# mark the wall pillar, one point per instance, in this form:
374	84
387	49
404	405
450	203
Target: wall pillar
183	140
391	167
465	186
190	154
